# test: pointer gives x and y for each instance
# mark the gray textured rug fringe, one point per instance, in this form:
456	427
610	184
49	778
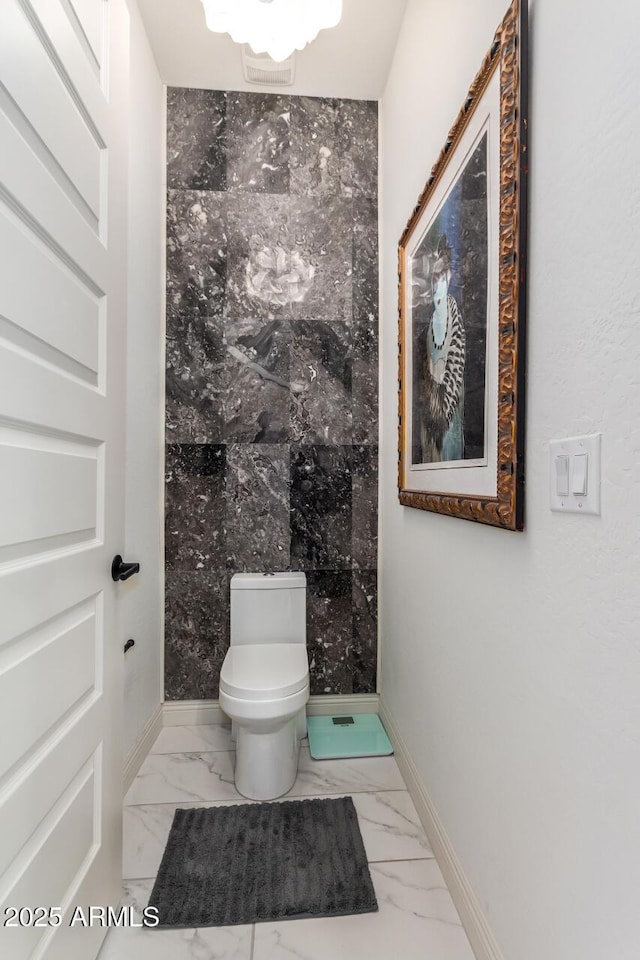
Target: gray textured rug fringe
263	861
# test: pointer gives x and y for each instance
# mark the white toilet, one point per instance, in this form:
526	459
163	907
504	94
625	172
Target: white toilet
264	682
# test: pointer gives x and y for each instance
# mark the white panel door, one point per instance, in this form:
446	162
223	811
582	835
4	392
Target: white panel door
63	162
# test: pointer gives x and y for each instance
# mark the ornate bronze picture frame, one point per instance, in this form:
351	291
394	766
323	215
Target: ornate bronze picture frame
462	285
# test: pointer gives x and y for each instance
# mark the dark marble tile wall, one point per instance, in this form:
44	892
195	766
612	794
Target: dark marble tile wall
272	374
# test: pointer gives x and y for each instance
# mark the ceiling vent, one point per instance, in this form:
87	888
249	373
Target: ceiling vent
260	68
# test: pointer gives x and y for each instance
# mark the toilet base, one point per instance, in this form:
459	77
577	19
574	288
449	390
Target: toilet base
301	726
266	758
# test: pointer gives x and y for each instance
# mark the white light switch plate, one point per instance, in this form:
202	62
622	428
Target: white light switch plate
576	447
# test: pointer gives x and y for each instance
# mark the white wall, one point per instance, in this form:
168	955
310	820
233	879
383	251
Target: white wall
141	609
511	662
351	61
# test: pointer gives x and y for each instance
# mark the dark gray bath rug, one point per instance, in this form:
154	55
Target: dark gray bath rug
263	861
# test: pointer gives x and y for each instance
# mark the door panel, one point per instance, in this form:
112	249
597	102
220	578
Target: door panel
37	690
45	477
58	312
54	119
63	121
90	21
58	854
54	766
82	410
43	204
55	593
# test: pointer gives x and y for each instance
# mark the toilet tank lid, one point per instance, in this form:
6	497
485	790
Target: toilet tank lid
268	581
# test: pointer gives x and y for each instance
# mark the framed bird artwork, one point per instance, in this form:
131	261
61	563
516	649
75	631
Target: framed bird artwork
462	286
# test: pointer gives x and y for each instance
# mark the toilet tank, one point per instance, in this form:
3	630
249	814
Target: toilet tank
269	608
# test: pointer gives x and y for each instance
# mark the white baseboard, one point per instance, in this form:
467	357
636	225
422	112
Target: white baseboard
143	746
328	706
482	941
189	713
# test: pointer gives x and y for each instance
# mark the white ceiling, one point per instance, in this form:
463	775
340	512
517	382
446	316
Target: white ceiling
352	60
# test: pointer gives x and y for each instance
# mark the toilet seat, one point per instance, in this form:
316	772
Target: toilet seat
264	671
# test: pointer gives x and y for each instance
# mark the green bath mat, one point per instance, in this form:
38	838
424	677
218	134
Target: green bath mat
357	735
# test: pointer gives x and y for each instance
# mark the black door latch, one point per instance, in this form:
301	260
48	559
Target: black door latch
121	570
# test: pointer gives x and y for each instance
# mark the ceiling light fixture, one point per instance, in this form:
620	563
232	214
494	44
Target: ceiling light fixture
276	27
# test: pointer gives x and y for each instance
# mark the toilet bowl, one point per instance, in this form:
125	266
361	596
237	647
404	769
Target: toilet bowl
264	682
264	689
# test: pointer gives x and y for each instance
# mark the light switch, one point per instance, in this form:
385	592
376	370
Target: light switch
579	474
562	476
574	474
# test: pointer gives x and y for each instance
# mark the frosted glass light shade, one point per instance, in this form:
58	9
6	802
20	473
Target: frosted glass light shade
276	27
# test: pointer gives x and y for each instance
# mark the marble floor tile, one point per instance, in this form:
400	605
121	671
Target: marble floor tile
202	738
388	822
177	777
146	831
206	943
390	827
417	918
363	775
209	776
416	921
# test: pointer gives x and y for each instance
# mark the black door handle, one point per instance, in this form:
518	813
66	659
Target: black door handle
121	570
